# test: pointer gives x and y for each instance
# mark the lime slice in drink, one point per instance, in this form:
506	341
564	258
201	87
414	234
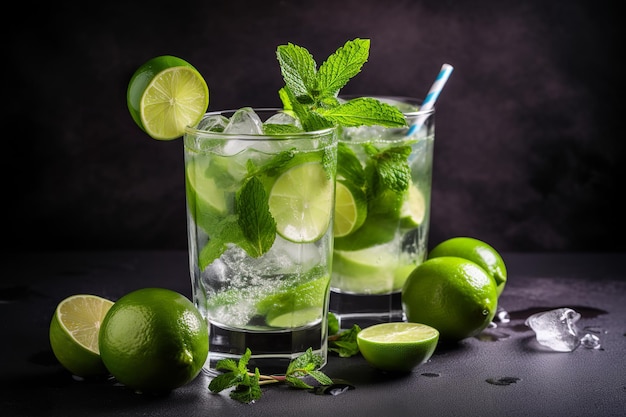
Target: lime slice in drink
369	271
301	201
350	208
206	200
297	318
397	347
295	305
413	208
165	95
74	333
376	230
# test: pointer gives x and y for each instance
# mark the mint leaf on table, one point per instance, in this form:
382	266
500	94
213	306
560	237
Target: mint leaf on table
247	385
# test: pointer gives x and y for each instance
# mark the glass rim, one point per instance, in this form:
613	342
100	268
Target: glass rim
192	130
403	99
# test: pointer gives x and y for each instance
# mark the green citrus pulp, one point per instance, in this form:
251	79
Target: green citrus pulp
301	202
165	95
74	333
397	347
350	209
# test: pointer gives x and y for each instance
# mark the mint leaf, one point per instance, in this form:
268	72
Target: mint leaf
345	343
299	71
348	165
364	111
280	129
341	66
312	95
393	169
254	218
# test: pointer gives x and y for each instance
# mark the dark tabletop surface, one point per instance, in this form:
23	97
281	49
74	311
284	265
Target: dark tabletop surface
455	382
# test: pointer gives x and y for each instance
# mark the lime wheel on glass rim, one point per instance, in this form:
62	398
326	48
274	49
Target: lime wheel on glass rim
165	95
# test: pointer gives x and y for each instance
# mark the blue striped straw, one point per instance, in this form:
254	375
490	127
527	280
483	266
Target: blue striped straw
431	97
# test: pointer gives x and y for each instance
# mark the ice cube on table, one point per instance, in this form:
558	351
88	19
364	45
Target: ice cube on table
556	329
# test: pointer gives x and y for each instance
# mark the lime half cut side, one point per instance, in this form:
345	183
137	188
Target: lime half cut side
165	95
397	347
301	201
74	332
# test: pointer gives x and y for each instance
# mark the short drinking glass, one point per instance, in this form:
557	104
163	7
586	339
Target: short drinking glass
260	198
382	214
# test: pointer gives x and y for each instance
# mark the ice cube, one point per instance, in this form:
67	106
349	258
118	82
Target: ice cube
244	121
590	341
282	118
556	328
213	123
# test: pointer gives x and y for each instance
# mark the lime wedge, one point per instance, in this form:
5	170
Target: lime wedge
74	333
413	208
165	95
397	347
350	208
301	201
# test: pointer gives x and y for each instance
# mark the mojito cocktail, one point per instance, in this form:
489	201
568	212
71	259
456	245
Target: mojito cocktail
382	215
260	196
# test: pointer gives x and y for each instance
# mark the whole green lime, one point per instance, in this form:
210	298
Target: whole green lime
451	294
154	340
476	251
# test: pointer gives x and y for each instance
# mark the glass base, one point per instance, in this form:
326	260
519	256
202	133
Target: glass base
366	310
271	351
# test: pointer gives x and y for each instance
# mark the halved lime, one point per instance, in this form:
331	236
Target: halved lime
165	95
350	208
413	208
301	201
74	333
397	347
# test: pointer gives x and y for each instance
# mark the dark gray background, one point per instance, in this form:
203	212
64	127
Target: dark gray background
529	149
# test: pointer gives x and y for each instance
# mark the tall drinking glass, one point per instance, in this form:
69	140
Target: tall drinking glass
260	200
385	175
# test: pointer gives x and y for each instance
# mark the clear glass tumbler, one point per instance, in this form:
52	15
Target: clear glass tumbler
260	199
386	174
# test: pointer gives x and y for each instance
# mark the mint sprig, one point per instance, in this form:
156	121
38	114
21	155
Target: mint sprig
247	385
311	94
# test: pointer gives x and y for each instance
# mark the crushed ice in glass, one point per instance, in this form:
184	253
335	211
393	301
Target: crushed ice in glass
556	329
